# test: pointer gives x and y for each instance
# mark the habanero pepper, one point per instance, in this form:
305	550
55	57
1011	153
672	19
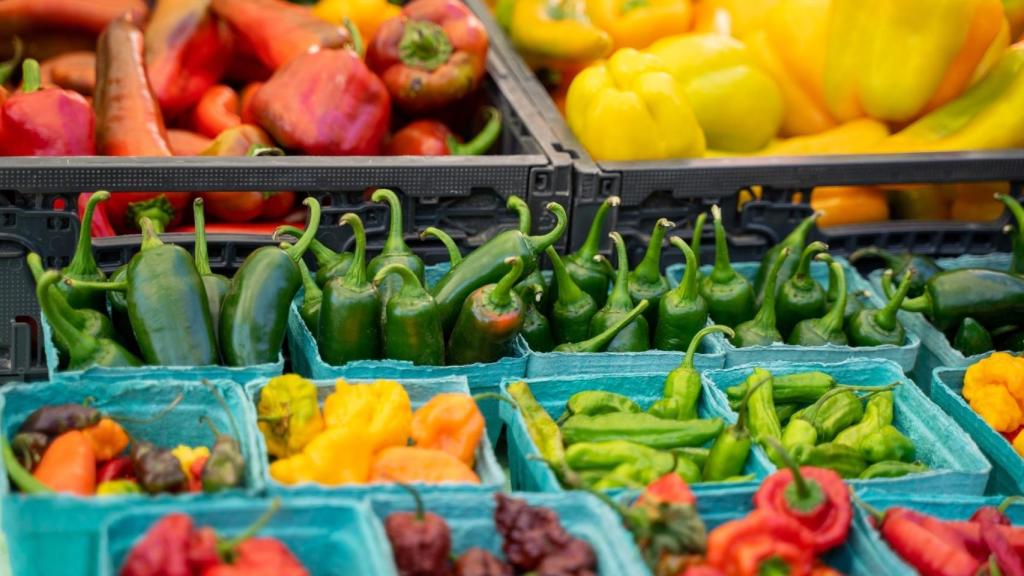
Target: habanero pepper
434	138
350	309
590	275
431	56
415	464
449	422
536	329
635	337
989	296
288	414
119	468
646	282
682	312
599	342
573	310
83	263
881	327
421	541
682	389
108	439
45	122
795	241
827	330
729	296
217	109
490	318
801	297
761	330
395	250
411	326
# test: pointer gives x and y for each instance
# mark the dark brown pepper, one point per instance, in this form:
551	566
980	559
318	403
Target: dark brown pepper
534	540
480	562
421	541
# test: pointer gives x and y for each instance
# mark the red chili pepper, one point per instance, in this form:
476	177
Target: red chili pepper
971	533
763	538
276	32
48	122
187	143
119	468
245	108
196	474
327	103
187	52
19	16
670	489
433	138
74	71
926	551
432	55
217	111
1006	558
163	549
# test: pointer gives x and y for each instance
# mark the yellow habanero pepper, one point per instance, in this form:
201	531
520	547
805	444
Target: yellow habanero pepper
336	456
630	108
638	23
553	33
994	387
288	414
380	412
367	15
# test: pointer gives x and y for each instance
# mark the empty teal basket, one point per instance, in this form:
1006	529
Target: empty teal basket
36	525
420	391
957	465
331	537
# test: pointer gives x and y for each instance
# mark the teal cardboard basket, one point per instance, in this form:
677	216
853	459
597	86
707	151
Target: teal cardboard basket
471	519
957	465
883	559
905	355
330	537
644	389
241	374
37	525
420	391
1007	466
936	350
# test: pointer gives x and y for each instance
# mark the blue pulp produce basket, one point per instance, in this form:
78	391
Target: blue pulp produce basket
36	525
240	374
471	519
883	559
936	350
1007	466
905	355
420	391
957	465
553	393
329	536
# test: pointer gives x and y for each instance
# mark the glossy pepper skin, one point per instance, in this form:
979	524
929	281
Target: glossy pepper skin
434	138
217	110
801	297
329	264
558	34
92	323
795	241
327	104
574	309
682	312
312	298
591	275
454	254
411	326
536	329
83	263
829	328
802	388
45	122
490	318
881	327
395	250
988	296
431	56
187	51
682	388
646	282
923	266
421	540
730	450
487	264
729	296
633	25
522	209
216	285
972	338
254	313
600	341
350	309
890	469
761	330
636	336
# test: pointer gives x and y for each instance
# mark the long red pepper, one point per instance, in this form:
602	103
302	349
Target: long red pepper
923	549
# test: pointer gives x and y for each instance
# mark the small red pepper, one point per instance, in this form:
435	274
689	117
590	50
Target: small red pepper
762	539
19	16
48	122
163	549
217	111
669	489
187	143
74	71
195	472
245	108
930	553
433	138
119	468
431	56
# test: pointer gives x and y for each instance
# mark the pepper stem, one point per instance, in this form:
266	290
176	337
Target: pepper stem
7	66
411	287
84	262
150	237
592	244
691	350
30	79
766	314
890	259
568	290
803	269
395	242
886	317
619	298
540	243
802	495
483	141
356	274
80	343
312	291
421	510
687	289
226	548
722	272
520	207
922	303
598	342
1009	501
424	45
454	256
501	296
875	513
698	230
121	286
649	268
324	256
300	247
202	257
832	321
60	303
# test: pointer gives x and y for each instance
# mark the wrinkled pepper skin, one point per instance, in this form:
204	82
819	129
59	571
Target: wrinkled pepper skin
21	16
431	56
836	413
682	388
187	51
47	122
350	309
890	469
421	540
326	104
887	443
288	414
490	318
846	461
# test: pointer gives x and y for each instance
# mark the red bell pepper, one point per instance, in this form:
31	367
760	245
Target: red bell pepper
19	16
72	71
276	32
432	55
48	122
217	111
817	498
433	138
187	52
760	541
326	103
187	143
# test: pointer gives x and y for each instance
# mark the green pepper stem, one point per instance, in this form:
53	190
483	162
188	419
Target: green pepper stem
875	513
226	548
81	344
568	290
454	256
598	342
30	80
84	262
832	321
649	268
421	510
722	272
202	257
312	291
592	244
540	243
691	350
324	256
395	242
803	490
60	303
886	317
300	247
698	230
535	292
121	286
483	141
356	274
501	296
766	314
922	303
520	207
411	287
424	45
150	237
21	477
890	259
803	269
1009	501
687	289
7	66
619	298
1016	210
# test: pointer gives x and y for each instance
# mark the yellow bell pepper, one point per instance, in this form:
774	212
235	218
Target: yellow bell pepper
554	33
855	137
738	105
736	18
187	455
894	59
336	456
844	205
1015	17
638	23
288	414
367	15
630	108
380	412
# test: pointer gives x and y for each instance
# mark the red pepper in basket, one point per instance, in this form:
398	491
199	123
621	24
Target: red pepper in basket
759	542
19	16
186	143
327	103
245	107
932	553
432	55
74	71
49	122
216	111
243	140
101	227
276	32
433	138
187	51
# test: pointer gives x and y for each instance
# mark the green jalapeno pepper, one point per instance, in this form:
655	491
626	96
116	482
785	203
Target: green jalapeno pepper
729	295
682	312
801	297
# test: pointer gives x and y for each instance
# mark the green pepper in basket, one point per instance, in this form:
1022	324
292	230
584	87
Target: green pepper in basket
599	342
592	276
646	282
683	384
608	455
329	264
829	328
83	264
801	297
989	296
835	413
877	414
412	324
698	230
682	312
536	329
539	425
892	469
573	310
972	338
800	388
762	420
761	330
688	471
881	327
924	267
799	432
635	337
490	318
641	428
795	242
395	249
594	402
350	309
312	298
729	296
521	208
216	285
732	447
846	461
887	443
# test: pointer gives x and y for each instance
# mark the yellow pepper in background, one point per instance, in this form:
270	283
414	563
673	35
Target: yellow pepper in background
630	108
187	455
844	205
738	105
638	23
975	201
855	137
380	412
736	18
336	456
1015	17
553	33
894	59
288	414
367	15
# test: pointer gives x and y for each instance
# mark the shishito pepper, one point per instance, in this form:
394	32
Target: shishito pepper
887	443
574	309
634	337
593	402
801	297
543	430
682	312
761	330
411	325
395	250
350	309
449	422
335	456
729	295
45	122
846	461
642	428
802	388
631	108
553	32
877	414
881	327
589	274
638	24
730	450
683	386
288	414
489	320
646	282
431	56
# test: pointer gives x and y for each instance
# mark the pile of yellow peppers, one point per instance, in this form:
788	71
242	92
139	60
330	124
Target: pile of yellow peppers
362	434
994	387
